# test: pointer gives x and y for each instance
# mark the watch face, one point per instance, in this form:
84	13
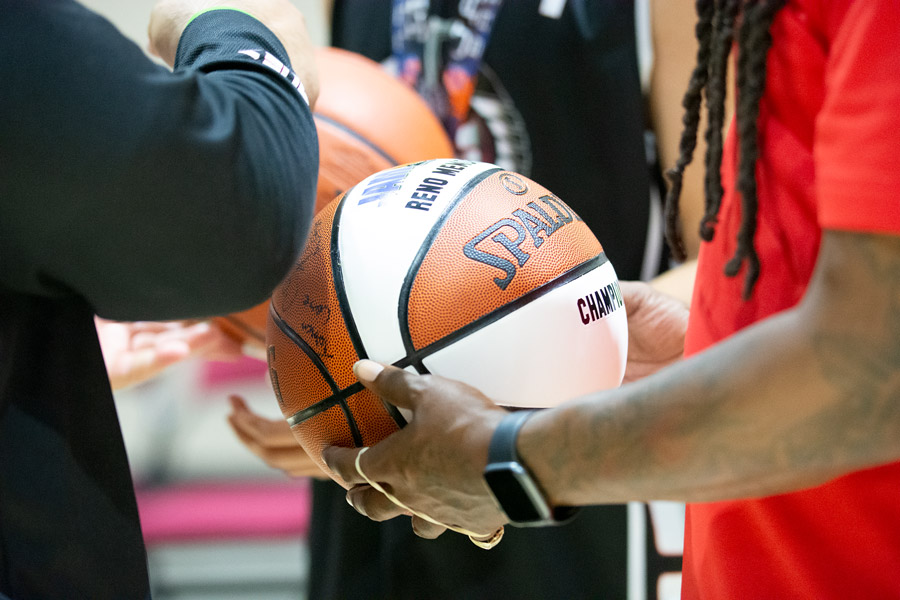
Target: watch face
516	493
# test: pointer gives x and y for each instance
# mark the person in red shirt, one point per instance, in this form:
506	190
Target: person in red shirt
781	427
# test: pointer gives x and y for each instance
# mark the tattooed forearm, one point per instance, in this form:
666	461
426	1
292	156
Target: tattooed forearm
856	346
796	400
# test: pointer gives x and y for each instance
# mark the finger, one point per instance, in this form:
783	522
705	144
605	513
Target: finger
198	336
288	459
238	404
284	454
305	467
212	342
371	503
201	339
342	462
246	428
273	433
114	338
170	352
426	529
227	349
129	368
147	333
195	336
142	339
315	472
397	386
294	462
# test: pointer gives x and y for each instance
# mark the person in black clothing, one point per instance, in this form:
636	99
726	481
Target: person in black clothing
555	95
131	193
558	100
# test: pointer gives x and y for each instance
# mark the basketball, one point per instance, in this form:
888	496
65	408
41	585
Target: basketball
366	121
452	267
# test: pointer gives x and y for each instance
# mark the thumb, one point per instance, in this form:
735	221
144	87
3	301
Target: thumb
390	383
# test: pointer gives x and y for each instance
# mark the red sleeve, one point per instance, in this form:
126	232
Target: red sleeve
857	147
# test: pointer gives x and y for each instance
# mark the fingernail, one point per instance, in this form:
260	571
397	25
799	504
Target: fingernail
367	370
201	327
353	505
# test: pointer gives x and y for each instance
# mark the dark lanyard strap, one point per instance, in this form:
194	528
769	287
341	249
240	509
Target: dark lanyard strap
441	57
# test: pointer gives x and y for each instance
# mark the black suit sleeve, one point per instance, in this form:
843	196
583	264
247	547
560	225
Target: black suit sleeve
151	194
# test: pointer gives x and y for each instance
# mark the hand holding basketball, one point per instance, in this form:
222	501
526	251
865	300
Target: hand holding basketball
656	326
169	18
272	441
433	465
451	267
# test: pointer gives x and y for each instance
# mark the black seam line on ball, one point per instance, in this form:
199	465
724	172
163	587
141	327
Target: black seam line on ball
337	273
406	289
417	356
337	396
358	137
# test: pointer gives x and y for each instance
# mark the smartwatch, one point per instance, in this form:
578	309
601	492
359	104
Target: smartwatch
514	489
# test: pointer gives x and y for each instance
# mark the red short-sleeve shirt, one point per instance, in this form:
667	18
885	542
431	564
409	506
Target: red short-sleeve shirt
830	159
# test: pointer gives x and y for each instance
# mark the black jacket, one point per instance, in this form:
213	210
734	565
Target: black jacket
133	193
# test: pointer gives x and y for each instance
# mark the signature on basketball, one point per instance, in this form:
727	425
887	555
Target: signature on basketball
319	309
313	246
317	340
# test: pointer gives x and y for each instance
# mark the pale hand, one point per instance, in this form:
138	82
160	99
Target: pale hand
169	18
136	351
272	441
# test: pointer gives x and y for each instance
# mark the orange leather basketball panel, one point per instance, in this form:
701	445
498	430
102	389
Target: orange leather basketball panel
359	106
327	428
307	302
507	237
372	418
345	159
296	380
356	92
247	326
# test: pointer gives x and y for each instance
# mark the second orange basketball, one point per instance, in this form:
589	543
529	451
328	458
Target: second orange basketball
366	121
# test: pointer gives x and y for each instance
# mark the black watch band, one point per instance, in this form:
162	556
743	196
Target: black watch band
514	488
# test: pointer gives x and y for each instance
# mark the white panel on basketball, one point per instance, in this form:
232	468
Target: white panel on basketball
563	357
393	233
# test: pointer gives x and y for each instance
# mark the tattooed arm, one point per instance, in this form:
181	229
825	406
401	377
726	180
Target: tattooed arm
796	400
791	402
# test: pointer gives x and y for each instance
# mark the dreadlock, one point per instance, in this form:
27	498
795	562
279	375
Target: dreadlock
691	120
715	34
723	37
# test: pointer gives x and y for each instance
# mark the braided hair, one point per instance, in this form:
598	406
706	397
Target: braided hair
715	32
